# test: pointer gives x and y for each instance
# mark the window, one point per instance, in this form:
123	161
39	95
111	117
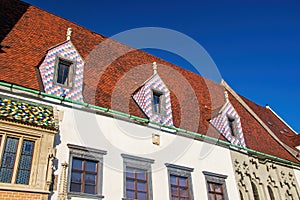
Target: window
64	72
137	178
255	191
216	186
232	125
180	182
85	172
12	164
84	176
179	187
215	191
271	194
157	102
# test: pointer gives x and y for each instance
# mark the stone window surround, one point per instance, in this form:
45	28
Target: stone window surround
90	154
42	138
72	71
162	102
216	178
138	163
178	170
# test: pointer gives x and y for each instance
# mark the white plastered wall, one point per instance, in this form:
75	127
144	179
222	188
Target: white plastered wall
118	136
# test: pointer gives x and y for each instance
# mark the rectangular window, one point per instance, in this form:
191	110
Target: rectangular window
157	101
216	187
64	72
215	191
231	124
180	181
179	187
85	172
84	176
137	178
9	161
136	184
25	162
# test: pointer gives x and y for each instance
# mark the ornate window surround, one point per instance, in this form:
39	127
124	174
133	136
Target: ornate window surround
178	170
138	163
77	151
216	178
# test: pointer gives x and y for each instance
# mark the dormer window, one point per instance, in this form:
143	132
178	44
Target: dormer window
64	69
157	102
231	124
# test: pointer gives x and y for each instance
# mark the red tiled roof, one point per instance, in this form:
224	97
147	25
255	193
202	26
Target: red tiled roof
27	33
278	127
113	71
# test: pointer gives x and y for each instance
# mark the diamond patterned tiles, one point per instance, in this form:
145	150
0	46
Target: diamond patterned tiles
221	123
65	50
27	113
143	98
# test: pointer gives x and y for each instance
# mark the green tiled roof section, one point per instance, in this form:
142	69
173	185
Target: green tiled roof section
26	112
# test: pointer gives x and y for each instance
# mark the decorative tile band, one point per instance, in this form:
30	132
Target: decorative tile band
27	113
143	97
221	123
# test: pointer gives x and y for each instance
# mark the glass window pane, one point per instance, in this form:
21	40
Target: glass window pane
90	189
8	159
184	192
142	186
90	179
130	194
141	174
76	177
77	164
63	72
174	191
219	197
211	196
218	188
75	187
23	177
5	175
182	181
142	196
210	187
129	172
27	147
91	166
173	180
130	184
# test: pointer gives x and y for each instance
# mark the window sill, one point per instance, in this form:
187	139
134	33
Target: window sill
84	195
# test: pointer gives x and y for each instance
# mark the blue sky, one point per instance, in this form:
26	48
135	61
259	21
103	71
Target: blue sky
255	44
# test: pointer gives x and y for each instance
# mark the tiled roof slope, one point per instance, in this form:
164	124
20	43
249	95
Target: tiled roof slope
256	137
114	71
278	127
27	33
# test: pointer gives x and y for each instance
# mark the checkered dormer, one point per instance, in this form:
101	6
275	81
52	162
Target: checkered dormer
143	97
47	70
221	123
